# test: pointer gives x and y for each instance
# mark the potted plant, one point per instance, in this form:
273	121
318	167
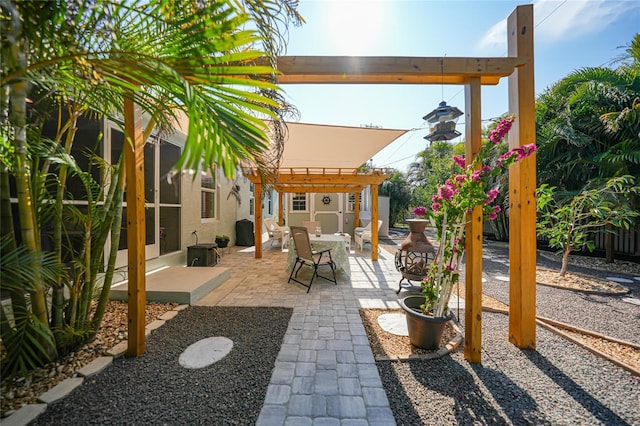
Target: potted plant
428	313
222	241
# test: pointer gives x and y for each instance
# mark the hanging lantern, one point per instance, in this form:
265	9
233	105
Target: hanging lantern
443	123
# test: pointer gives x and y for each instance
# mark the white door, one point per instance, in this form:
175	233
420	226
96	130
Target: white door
327	209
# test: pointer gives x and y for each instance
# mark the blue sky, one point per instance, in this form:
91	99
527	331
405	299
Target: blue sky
569	35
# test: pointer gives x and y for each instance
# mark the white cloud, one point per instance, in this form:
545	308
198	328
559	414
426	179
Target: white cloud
556	21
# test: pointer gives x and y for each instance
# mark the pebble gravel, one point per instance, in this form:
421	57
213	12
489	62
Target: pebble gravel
558	384
606	314
155	390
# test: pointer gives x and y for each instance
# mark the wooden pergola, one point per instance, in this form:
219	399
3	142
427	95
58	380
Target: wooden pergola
309	180
470	72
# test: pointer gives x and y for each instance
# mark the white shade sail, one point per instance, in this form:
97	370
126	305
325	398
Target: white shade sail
334	147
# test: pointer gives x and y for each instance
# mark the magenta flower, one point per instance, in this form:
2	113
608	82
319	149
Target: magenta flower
436	207
460	161
501	130
492	216
420	211
491	195
445	192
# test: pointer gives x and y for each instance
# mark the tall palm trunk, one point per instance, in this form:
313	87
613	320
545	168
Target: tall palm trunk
57	308
18	95
116	226
18	302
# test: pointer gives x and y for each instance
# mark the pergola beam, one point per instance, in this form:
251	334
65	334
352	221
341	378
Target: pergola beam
316	189
393	70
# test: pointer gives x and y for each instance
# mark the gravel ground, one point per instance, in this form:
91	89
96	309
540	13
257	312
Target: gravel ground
559	384
606	314
155	389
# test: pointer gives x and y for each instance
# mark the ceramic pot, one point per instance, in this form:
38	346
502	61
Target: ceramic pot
425	331
416	240
222	243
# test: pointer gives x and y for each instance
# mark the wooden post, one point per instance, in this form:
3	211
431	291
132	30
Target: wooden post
280	209
134	167
356	207
522	184
257	196
374	222
473	269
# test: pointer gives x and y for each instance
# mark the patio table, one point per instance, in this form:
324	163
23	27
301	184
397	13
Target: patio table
336	243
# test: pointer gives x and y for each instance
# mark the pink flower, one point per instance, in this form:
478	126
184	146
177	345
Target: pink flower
420	211
459	178
501	130
445	192
460	161
492	216
436	207
475	176
491	195
497	209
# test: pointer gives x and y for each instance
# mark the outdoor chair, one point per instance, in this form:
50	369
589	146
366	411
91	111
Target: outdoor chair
363	235
305	255
277	232
311	226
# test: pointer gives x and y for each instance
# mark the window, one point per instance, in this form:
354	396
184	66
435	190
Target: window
269	200
299	202
252	207
208	195
351	202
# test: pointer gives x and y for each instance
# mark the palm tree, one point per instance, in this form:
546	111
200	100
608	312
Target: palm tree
79	58
430	170
397	188
589	126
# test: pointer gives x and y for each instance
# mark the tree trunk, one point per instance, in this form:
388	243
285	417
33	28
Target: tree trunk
565	261
609	243
18	93
57	302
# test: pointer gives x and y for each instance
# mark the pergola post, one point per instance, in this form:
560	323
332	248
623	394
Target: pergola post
258	216
473	269
134	168
522	184
374	222
280	208
356	207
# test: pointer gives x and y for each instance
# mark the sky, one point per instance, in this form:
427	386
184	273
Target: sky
569	35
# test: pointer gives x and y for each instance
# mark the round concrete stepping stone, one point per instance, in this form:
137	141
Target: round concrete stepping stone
631	300
394	324
501	278
205	352
620	280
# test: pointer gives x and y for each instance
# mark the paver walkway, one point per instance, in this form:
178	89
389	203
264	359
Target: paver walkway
325	372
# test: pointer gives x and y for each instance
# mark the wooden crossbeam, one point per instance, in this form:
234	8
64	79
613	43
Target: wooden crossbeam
325	188
393	70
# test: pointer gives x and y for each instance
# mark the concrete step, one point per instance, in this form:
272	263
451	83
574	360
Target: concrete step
180	284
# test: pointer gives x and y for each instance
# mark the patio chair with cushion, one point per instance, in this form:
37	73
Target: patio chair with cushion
311	226
277	232
363	235
305	255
